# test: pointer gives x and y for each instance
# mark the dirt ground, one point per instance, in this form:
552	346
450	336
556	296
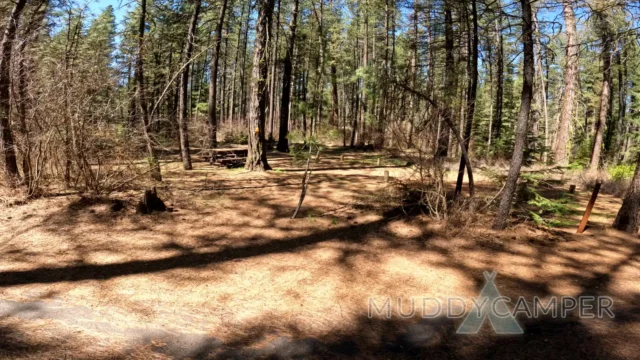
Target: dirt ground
228	274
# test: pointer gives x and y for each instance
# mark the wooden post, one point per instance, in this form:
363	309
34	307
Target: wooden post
587	213
378	161
386	176
342	158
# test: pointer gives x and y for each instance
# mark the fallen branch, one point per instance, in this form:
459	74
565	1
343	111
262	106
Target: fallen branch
493	199
452	126
305	182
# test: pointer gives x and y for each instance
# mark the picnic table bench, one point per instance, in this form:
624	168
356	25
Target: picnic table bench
229	157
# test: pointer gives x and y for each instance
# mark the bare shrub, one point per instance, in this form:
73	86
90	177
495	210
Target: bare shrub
615	186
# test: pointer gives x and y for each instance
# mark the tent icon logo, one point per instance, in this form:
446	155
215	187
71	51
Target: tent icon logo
490	304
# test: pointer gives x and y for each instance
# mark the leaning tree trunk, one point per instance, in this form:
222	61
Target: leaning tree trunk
471	100
6	143
502	216
257	156
627	218
560	148
142	97
184	82
594	163
212	113
283	141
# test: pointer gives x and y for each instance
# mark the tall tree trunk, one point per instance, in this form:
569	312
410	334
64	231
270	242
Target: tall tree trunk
627	218
235	67
365	64
212	111
274	68
142	97
471	100
243	68
561	146
449	81
496	126
257	157
335	105
622	101
594	163
283	142
502	216
184	82
613	121
382	86
542	89
320	60
356	95
413	107
7	144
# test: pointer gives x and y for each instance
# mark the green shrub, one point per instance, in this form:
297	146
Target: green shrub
236	137
545	209
546	206
622	172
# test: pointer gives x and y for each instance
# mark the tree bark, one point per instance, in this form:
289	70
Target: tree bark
7	145
283	141
183	126
257	156
627	218
561	146
212	111
502	216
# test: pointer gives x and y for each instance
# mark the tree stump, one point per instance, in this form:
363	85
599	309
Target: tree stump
150	203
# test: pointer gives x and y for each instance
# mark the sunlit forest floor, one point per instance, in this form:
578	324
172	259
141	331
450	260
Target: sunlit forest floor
228	274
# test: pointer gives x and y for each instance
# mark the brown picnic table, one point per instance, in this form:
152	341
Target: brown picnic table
226	156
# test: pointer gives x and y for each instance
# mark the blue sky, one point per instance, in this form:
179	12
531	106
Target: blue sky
120	7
